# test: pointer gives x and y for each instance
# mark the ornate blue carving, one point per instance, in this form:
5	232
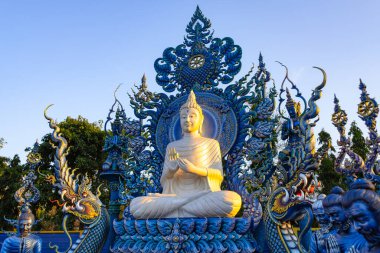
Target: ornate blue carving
342	164
368	111
293	178
348	162
227	114
200	60
27	194
361	201
115	144
241	117
125	145
184	235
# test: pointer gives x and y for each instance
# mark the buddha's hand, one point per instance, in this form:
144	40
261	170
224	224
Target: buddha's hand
189	167
172	157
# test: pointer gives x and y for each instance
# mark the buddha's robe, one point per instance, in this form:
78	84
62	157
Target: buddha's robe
17	244
189	195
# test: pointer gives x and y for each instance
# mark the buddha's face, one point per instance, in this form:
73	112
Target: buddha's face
25	226
365	221
191	120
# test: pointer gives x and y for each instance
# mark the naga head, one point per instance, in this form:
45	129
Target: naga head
75	190
304	186
82	202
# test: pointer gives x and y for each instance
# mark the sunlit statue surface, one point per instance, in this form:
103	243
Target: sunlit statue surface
23	241
347	238
322	239
191	177
363	206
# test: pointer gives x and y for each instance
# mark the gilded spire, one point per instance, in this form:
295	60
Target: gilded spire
192	103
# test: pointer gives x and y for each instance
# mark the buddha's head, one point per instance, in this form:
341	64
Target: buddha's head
26	220
362	204
191	115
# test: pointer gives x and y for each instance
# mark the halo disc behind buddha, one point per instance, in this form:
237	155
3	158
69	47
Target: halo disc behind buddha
219	123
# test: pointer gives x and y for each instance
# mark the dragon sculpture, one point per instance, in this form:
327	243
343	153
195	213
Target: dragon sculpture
294	178
78	200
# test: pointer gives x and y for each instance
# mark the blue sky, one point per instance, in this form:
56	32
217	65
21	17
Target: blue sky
74	53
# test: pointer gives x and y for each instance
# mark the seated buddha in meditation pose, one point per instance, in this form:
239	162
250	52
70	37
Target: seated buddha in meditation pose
191	176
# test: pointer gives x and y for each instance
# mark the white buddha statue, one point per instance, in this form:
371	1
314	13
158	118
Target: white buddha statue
191	176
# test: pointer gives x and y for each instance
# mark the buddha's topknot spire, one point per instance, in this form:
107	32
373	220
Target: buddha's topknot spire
192	103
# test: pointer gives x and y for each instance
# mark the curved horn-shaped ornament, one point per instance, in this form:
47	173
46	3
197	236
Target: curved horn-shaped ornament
303	178
313	110
286	198
78	207
323	84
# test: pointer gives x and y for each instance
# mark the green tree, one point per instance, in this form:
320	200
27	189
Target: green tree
327	174
358	141
85	140
11	172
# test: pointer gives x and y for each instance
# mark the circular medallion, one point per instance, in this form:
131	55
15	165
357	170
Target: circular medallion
33	158
339	117
219	122
366	108
196	61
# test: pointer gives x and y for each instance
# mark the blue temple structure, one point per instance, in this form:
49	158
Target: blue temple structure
241	116
277	186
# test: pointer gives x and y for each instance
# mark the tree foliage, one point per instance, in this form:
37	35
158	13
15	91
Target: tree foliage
10	180
85	140
327	174
358	141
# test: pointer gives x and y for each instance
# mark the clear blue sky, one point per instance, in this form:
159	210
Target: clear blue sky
74	53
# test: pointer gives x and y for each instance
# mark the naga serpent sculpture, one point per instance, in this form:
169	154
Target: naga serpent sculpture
291	200
78	200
